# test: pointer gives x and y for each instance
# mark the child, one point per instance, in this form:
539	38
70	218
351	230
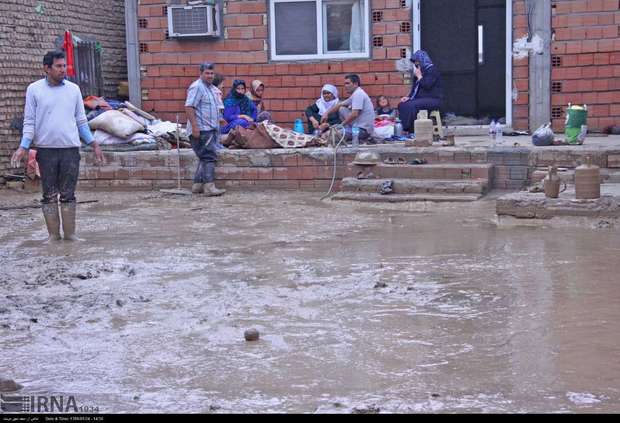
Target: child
383	107
218	81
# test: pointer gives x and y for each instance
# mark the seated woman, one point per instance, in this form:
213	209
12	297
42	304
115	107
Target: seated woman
426	92
256	95
314	113
239	110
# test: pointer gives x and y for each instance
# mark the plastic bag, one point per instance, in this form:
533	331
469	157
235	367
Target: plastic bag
116	123
384	132
543	136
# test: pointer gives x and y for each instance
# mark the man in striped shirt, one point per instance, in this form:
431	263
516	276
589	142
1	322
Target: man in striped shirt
54	122
203	108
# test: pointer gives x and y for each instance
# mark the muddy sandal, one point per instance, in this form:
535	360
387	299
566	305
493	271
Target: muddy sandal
418	161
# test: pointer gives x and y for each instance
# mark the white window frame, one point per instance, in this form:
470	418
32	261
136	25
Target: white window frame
319	36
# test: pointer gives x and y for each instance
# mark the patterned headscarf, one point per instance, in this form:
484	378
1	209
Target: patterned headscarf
236	99
252	93
422	57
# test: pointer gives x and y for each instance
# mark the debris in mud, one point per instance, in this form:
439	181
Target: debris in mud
34	320
371	409
84	276
136	397
380	285
603	224
130	270
214	407
120	303
8	385
435	395
251	335
140	299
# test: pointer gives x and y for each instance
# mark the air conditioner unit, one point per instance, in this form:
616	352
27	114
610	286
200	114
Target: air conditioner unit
194	21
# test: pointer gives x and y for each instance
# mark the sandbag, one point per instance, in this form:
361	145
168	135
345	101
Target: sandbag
116	123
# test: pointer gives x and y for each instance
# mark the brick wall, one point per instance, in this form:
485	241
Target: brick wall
520	70
171	65
586	41
586	60
26	36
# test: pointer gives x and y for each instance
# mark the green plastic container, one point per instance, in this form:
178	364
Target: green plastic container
576	117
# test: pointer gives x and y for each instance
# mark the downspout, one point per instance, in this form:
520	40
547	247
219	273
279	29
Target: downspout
133	58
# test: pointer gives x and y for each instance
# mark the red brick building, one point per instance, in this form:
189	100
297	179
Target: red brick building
575	46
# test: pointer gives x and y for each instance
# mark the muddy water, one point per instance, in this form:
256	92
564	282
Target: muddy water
361	308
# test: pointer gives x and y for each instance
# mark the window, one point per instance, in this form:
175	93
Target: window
315	29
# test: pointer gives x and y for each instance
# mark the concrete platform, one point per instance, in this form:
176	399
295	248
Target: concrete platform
526	205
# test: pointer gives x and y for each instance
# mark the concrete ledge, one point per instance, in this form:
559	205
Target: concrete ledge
526	205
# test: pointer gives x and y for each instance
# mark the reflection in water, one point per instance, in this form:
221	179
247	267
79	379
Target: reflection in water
360	308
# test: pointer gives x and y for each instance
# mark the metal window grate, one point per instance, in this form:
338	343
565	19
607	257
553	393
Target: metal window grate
556	87
405	27
377	41
556	112
142	23
403	4
556	61
377	16
164	10
403	53
144	48
87	56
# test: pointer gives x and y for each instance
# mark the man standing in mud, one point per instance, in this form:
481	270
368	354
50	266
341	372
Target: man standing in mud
203	108
54	122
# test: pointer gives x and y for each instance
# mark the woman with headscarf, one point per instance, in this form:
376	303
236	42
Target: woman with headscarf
314	113
426	92
257	89
239	110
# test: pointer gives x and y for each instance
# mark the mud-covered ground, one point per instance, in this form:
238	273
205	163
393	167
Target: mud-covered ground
360	307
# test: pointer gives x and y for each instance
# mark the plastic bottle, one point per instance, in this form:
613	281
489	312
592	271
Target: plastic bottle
398	128
499	134
492	129
299	126
355	134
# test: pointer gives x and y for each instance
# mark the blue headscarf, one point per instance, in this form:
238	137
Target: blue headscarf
425	63
235	99
422	57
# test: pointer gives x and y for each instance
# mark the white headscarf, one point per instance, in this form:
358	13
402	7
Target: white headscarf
326	105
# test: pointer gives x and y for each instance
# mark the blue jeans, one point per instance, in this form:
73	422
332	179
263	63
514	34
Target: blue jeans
206	150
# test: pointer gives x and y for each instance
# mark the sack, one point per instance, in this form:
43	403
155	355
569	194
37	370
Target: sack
576	120
116	123
384	132
249	138
543	136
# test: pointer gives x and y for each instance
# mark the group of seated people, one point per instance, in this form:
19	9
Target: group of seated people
243	106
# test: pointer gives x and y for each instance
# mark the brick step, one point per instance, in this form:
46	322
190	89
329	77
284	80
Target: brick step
418	186
401	198
568	175
425	171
